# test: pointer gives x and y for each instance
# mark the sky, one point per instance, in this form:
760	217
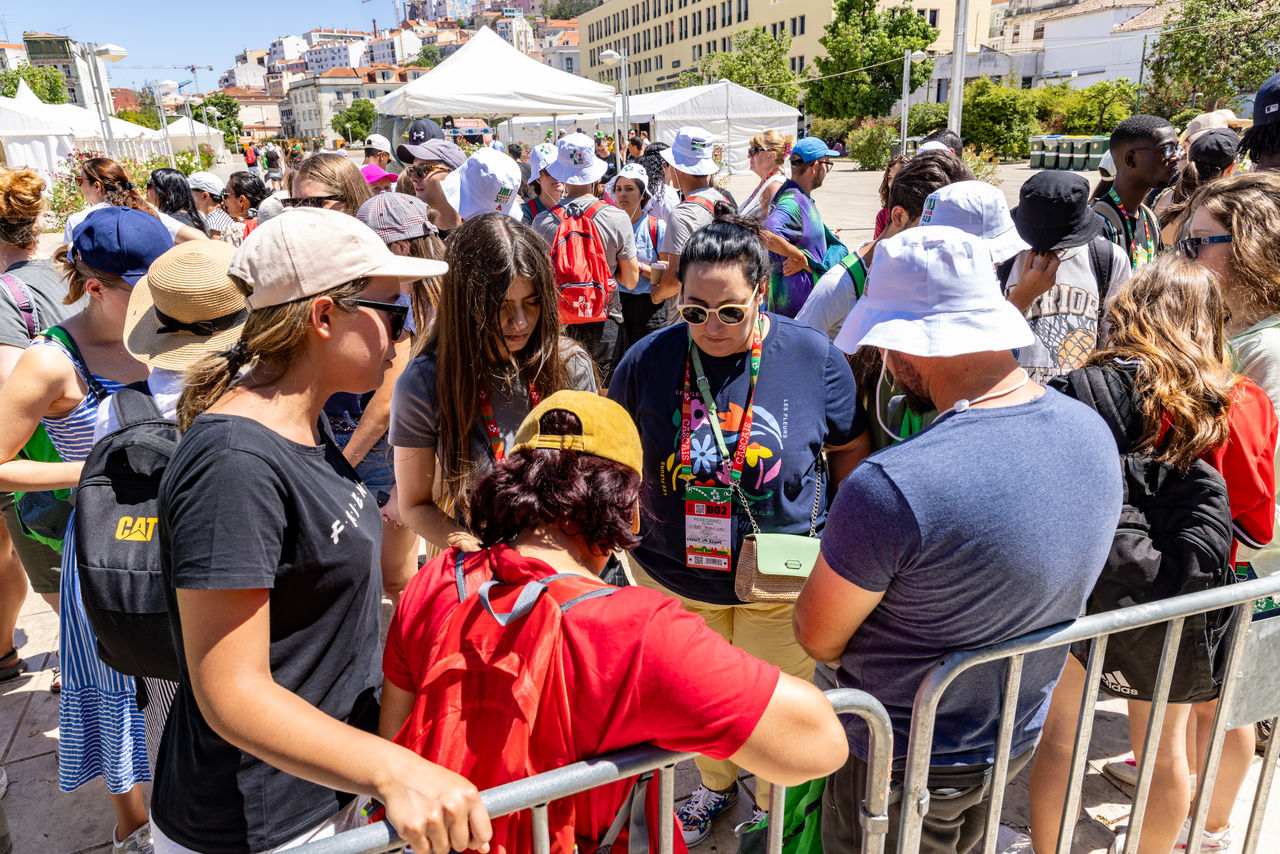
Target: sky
183	33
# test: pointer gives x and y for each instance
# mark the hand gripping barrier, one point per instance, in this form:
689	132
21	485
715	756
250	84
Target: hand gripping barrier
534	793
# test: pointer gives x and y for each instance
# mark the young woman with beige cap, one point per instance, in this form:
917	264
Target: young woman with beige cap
270	543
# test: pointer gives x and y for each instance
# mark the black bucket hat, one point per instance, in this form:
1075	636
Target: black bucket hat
1053	212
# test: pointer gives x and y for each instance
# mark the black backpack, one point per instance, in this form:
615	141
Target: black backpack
1174	537
117	555
1099	260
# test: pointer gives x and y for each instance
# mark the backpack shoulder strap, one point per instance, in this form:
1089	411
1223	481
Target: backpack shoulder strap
1100	259
857	267
63	337
22	300
133	404
558	212
596	207
1110	216
631	814
704	202
1004	271
653	231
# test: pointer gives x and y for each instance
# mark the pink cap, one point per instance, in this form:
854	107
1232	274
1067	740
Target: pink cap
373	173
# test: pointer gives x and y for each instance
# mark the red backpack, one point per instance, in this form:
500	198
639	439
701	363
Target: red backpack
582	273
250	156
494	705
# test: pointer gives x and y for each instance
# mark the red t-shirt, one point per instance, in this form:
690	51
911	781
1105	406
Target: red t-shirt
640	668
1247	464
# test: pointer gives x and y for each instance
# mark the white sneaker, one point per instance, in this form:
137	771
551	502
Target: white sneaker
1209	842
757	815
1010	841
138	842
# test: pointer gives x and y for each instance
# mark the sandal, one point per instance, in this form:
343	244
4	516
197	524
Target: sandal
11	666
55	687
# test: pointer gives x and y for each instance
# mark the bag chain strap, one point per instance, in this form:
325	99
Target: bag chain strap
736	488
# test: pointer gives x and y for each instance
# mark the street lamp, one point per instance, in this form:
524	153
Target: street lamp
908	57
167	86
348	134
111	53
1195	96
612	58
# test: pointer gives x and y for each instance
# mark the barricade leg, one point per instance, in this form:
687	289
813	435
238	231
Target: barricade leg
1004	746
1155	724
666	808
1080	753
1263	794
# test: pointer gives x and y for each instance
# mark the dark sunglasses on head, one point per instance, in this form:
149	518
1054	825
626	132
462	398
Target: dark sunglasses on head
1190	246
309	201
1167	149
729	315
396	313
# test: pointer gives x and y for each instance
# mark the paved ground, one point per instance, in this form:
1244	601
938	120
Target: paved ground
47	821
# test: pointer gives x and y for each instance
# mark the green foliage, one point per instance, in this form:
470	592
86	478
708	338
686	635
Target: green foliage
869	144
1218	60
983	163
831	130
428	57
45	80
228	120
565	9
924	119
1182	118
146	118
1000	117
757	61
1097	109
860	36
360	115
1051	101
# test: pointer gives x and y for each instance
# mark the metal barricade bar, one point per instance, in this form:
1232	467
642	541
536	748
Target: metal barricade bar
535	793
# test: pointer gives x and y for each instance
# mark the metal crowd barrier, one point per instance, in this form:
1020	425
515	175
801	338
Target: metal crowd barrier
1098	628
535	793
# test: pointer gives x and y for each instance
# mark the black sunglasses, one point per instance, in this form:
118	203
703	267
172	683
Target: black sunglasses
1167	150
1190	246
423	170
309	201
396	313
753	151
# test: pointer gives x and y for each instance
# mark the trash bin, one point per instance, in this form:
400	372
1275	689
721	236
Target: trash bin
1037	152
1051	144
1079	154
1098	146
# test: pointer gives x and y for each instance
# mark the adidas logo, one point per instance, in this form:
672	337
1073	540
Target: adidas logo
1116	682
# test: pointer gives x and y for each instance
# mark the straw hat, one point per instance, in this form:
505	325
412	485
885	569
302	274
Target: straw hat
186	307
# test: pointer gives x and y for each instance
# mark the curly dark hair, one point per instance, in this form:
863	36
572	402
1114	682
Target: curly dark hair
586	495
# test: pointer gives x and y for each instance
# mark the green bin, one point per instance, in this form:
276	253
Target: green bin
1098	146
1037	152
1079	154
1051	152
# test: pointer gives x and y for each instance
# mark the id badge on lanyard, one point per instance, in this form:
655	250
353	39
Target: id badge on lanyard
708	510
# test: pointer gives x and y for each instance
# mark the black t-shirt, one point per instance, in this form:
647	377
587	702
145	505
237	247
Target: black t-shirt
242	508
273	158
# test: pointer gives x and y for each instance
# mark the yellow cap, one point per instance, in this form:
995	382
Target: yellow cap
607	430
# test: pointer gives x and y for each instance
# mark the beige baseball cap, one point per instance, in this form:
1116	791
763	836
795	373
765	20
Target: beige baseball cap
307	251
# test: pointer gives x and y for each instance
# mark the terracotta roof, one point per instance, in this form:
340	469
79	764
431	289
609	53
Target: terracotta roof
339	72
1088	7
45	36
12	46
1152	18
561	23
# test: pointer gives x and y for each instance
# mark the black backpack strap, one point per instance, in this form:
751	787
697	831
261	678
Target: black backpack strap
1109	392
1004	271
134	404
1100	259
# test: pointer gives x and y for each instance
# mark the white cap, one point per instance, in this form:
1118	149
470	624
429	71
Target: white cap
308	251
980	209
576	162
934	292
693	152
933	145
541	154
488	181
636	173
208	182
378	141
1107	167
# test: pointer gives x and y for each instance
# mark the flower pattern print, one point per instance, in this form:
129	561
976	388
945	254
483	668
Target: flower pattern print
762	465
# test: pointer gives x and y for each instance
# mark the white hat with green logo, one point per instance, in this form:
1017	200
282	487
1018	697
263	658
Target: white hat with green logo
489	181
693	152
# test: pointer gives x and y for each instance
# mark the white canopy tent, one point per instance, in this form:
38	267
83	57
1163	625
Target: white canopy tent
32	140
185	134
731	113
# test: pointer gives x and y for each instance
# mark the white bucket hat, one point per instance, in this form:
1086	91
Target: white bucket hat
576	162
488	181
980	209
933	292
693	152
541	154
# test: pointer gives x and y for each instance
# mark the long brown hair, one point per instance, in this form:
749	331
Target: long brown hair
1248	207
337	173
424	294
1169	319
21	203
77	273
486	254
117	187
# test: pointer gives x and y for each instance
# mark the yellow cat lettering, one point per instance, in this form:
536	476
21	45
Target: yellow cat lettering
137	529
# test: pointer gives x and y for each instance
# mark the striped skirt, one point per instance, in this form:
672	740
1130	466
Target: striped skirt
101	732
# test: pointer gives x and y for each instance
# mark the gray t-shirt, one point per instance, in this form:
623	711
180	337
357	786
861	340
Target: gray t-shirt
612	223
687	218
46	288
989	524
415	406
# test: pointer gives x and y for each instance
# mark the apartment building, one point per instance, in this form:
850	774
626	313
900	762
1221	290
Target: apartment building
517	32
12	55
393	49
73	60
328	55
308	109
285	49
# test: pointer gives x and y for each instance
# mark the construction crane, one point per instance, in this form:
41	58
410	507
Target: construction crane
192	68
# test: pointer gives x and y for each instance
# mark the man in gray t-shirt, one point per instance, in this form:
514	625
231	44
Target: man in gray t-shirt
692	158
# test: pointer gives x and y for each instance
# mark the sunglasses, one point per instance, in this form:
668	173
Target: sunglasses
396	313
1190	246
753	151
423	171
729	315
1167	150
309	201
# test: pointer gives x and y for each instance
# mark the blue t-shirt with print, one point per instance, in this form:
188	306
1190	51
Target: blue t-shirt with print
646	249
805	398
989	524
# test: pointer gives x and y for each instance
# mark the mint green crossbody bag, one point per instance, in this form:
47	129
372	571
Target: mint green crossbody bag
773	567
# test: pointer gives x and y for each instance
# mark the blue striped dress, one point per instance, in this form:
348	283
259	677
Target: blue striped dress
101	732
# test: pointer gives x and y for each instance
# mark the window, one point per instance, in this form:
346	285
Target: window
793	27
1038	33
802	29
658	62
792	61
711	19
800	63
1017	35
773	29
933	17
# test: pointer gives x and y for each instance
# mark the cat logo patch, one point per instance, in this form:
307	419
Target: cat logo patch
136	528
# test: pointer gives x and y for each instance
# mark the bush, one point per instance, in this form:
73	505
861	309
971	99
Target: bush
984	164
869	144
1051	102
924	119
831	130
1097	109
1002	118
1183	118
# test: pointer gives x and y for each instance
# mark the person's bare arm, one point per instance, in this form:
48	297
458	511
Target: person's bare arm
415	483
797	739
628	273
186	233
830	609
670	284
376	417
41	382
227	635
843	459
1038	274
397	704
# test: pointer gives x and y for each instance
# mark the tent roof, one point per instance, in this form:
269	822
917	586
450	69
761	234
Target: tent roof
187	127
710	100
487	76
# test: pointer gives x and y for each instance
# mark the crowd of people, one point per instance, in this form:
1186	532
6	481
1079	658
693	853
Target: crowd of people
674	461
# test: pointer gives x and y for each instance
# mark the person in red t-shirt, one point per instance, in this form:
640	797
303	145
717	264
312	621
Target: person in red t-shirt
1167	333
561	502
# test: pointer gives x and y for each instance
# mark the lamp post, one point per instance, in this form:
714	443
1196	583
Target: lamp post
348	134
612	58
111	53
908	57
208	133
167	86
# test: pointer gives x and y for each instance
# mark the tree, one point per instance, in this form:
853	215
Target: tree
1198	52
1002	118
1097	109
562	10
227	119
757	61
360	115
45	80
146	118
428	57
858	37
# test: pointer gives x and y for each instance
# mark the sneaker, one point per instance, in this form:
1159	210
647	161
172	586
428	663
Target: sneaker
1123	770
697	813
1209	842
138	842
55	686
1010	841
757	817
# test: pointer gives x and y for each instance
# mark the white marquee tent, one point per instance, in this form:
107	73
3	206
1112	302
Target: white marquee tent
731	113
185	134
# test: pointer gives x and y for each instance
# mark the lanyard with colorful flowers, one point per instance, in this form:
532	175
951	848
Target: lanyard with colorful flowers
491	425
1136	258
704	387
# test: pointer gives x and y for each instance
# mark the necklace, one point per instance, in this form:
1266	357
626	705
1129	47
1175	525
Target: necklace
963	405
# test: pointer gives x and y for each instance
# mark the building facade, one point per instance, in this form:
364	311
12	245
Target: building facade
12	55
308	110
517	32
662	38
73	60
326	56
282	75
560	51
393	49
285	49
1098	40
245	76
